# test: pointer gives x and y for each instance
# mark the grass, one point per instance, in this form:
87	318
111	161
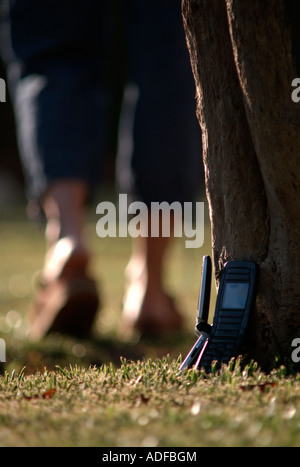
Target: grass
145	403
104	392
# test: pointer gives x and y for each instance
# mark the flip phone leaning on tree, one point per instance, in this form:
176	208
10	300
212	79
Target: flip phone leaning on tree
222	340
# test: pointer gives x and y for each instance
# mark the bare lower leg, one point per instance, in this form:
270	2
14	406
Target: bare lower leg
147	263
68	300
147	302
64	207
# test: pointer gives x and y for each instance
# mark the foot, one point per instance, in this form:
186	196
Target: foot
67	301
148	313
65	258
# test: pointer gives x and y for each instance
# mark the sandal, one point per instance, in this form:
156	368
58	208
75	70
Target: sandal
67	306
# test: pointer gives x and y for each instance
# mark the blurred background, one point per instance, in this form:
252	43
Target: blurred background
11	176
22	248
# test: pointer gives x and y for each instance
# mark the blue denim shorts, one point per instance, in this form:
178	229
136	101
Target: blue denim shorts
58	55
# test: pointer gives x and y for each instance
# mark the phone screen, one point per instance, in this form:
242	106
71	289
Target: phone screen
235	295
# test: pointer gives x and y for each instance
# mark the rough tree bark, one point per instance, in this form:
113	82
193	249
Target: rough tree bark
241	57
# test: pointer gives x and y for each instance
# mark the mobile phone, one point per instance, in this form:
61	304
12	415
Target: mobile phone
204	296
202	328
193	355
234	302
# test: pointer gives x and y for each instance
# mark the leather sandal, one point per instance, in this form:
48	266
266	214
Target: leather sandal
65	305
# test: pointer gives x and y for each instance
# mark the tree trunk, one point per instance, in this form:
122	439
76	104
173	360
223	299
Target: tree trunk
241	56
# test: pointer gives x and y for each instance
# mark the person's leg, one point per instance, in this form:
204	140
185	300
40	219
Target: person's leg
56	57
64	206
68	298
159	156
147	307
